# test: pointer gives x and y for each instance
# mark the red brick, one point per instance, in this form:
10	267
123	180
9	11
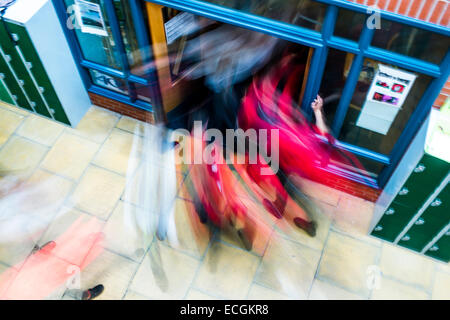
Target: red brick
429	4
403	7
440	100
382	4
121	108
438	11
392	5
446	17
415	8
353	188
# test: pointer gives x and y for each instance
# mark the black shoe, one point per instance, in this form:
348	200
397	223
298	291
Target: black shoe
93	292
272	209
49	246
245	240
308	226
201	212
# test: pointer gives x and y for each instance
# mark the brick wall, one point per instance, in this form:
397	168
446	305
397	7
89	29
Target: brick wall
121	108
443	96
354	188
434	11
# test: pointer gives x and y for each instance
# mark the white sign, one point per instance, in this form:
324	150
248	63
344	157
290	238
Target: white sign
182	24
387	94
391	86
107	81
89	17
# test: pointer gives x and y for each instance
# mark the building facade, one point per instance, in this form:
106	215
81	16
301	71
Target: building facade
432	11
122	49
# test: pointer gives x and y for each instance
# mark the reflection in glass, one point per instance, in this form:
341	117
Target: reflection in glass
143	92
180	60
356	134
335	75
134	54
305	13
96	47
413	42
108	82
349	24
371	168
101	47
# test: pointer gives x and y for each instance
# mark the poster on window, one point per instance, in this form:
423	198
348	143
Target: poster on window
180	25
391	86
89	17
387	94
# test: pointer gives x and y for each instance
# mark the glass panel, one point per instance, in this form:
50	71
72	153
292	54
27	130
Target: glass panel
177	41
143	92
413	42
305	13
108	82
369	168
349	24
381	106
93	33
335	75
134	54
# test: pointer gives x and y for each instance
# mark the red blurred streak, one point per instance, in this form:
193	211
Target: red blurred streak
48	269
271	193
301	152
224	199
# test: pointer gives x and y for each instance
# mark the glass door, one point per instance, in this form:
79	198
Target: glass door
106	35
194	54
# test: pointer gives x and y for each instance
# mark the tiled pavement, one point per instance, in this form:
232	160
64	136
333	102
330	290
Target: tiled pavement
89	166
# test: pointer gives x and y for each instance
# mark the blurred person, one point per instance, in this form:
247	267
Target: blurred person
25	213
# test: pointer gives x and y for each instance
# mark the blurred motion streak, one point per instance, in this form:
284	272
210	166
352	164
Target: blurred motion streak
49	268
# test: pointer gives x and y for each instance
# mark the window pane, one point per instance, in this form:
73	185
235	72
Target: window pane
214	64
143	92
349	24
335	75
108	82
305	13
94	33
413	42
134	55
334	78
176	45
381	106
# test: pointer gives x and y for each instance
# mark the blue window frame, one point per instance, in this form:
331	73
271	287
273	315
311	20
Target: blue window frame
129	92
321	41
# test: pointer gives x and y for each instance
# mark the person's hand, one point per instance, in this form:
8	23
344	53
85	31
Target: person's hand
317	104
